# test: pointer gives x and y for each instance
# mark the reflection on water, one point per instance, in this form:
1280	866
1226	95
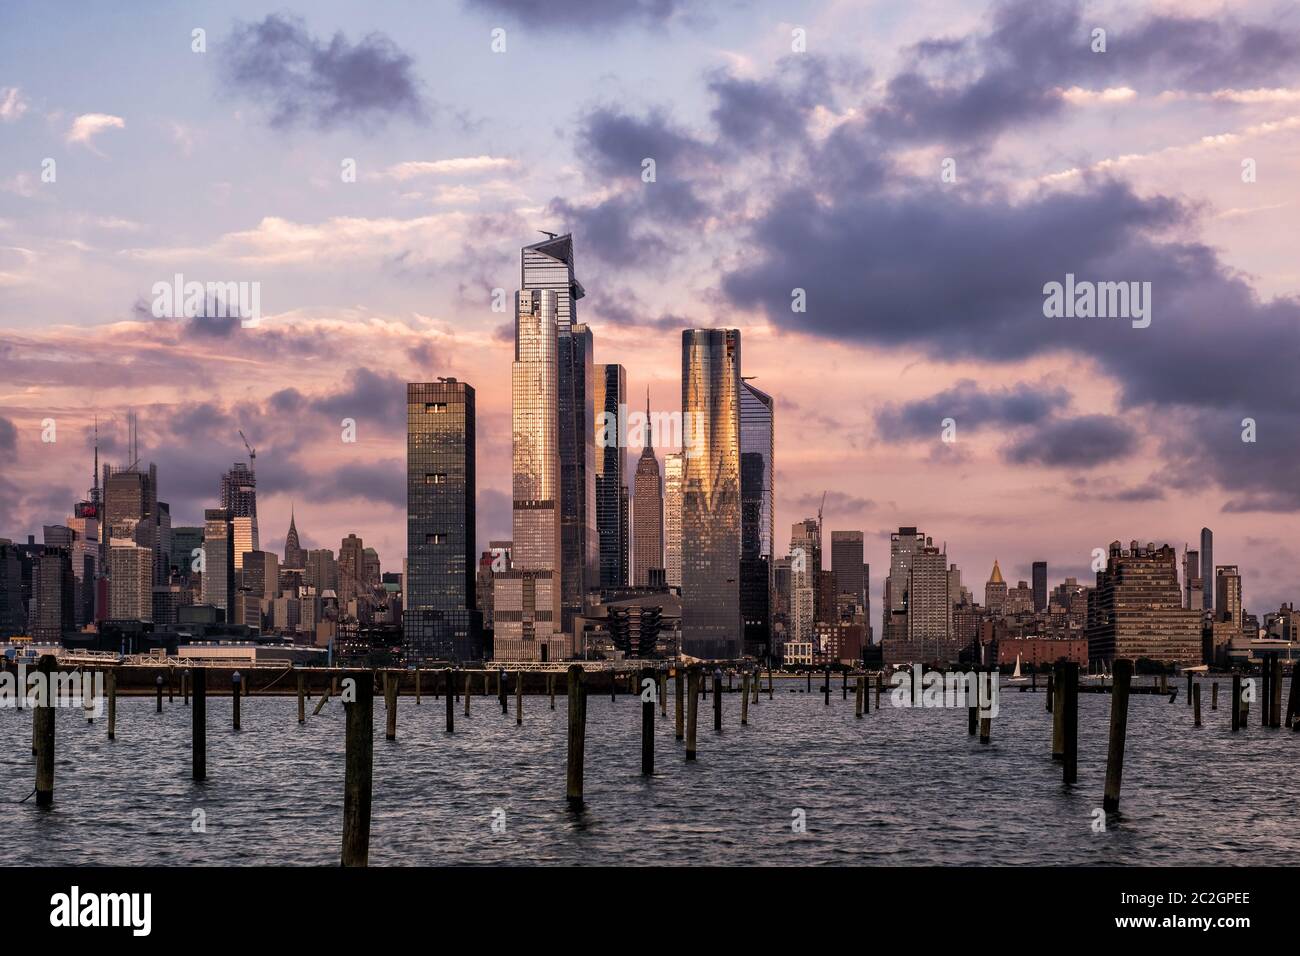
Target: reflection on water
896	787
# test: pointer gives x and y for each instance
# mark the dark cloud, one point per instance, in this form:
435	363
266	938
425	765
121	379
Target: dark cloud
8	436
582	14
382	482
836	501
614	143
374	399
1082	442
301	79
971	408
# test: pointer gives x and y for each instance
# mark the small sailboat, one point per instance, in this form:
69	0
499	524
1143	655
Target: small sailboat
1016	677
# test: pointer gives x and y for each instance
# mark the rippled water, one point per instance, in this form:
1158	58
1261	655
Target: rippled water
896	787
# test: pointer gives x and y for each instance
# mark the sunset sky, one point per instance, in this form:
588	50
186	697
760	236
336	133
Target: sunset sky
775	170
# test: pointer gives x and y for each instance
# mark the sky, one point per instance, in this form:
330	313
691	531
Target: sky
919	170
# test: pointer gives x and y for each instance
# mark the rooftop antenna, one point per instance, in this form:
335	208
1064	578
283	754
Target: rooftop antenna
252	454
94	491
133	439
548	235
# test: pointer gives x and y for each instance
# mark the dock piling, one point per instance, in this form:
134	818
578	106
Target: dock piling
110	688
198	723
692	709
1121	677
451	701
678	680
1236	702
1070	722
302	699
1196	705
648	729
43	722
234	699
744	699
577	736
358	773
158	694
390	705
519	698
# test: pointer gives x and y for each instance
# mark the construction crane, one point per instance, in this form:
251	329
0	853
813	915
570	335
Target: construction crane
252	453
819	521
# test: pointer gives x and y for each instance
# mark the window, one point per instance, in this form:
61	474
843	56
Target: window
436	537
435	478
436	408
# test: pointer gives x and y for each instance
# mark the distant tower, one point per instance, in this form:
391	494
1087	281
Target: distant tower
1208	572
294	555
995	591
647	511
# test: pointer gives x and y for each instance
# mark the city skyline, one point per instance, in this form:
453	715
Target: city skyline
1066	437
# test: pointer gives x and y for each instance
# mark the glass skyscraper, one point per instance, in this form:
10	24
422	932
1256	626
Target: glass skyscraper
711	622
526	611
674	484
239	497
441	619
548	266
757	446
611	476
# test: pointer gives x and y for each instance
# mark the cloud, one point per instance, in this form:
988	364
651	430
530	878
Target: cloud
583	14
460	166
8	436
86	127
301	79
972	408
1082	442
12	104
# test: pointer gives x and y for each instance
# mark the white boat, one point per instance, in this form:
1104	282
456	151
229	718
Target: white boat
1016	677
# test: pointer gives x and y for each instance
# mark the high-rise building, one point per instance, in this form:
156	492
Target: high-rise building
130	581
186	540
674	488
218	560
1040	586
12	620
995	591
1136	609
848	566
131	496
351	571
757	512
322	571
294	555
442	620
53	603
1227	595
239	497
609	398
1207	564
711	622
527	611
929	606
1193	582
647	513
548	266
86	562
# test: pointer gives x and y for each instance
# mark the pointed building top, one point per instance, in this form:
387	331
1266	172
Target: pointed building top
648	451
996	576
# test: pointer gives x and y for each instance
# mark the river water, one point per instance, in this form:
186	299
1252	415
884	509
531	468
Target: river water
900	787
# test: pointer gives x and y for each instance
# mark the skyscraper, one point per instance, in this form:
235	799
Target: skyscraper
711	622
130	587
995	590
1040	586
527	606
239	497
848	566
294	555
1193	584
549	266
611	475
1207	566
757	512
441	620
53	602
218	560
131	496
929	606
351	571
647	512
1136	609
674	486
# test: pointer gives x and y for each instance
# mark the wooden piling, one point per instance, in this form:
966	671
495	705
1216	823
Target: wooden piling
769	683
648	731
1266	695
302	698
692	709
678	680
826	690
43	722
744	699
358	762
451	701
417	686
1058	725
577	736
519	698
185	688
158	694
717	702
880	682
468	695
757	681
171	695
663	693
234	699
866	693
1189	688
1121	677
1051	689
844	685
198	724
550	679
390	705
501	692
1196	705
986	730
1214	695
1293	698
857	697
1235	703
972	718
110	689
1275	685
1070	722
